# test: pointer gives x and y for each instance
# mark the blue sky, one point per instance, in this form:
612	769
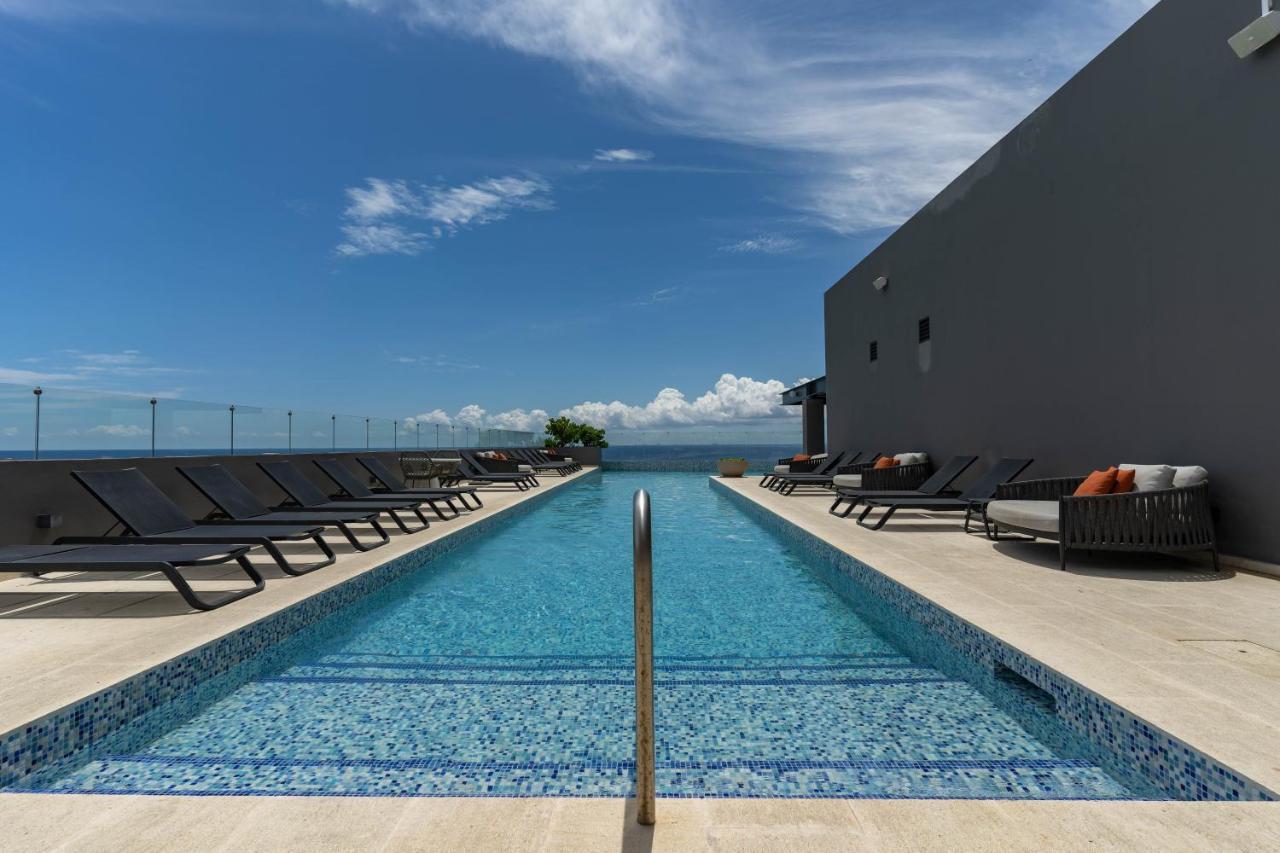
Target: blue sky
412	207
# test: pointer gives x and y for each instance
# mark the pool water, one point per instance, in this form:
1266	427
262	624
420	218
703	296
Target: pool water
505	669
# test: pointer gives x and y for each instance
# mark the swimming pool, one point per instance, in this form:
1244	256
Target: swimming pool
504	668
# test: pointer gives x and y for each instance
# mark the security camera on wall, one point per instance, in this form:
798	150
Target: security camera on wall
1259	33
880	283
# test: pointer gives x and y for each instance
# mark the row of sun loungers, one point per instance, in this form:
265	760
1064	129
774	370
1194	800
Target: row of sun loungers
156	535
1166	511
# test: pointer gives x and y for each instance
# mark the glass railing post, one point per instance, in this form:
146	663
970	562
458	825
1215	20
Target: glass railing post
38	392
333	442
153	426
290	413
233	429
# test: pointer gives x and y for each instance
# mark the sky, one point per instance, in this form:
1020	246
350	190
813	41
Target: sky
482	211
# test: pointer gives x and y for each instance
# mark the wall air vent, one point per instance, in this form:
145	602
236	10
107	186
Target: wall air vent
875	350
924	329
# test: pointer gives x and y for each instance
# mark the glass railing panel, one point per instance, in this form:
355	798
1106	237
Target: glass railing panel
17	421
191	427
349	432
382	434
89	424
260	430
312	431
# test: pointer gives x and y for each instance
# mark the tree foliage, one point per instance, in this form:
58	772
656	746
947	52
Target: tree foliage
563	432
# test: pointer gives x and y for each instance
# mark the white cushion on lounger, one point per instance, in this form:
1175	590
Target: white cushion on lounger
1029	515
1150	478
847	481
911	458
525	469
782	469
567	458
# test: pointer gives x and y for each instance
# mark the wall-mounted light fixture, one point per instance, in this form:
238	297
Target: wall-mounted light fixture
881	283
1259	33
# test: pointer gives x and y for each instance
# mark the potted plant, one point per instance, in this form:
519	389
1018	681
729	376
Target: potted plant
731	466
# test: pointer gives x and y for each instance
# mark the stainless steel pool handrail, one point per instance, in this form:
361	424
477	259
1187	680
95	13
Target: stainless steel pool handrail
642	546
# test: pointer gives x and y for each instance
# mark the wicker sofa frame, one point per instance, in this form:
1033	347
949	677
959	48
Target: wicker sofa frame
1163	521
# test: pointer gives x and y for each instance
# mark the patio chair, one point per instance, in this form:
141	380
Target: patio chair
352	489
166	559
1156	521
149	517
790	465
389	482
234	500
305	496
971	500
896	482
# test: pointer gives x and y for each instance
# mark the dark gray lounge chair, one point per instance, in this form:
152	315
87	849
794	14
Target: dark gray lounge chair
470	470
536	453
149	517
803	468
165	559
353	489
309	498
234	499
825	475
391	483
878	483
971	500
537	464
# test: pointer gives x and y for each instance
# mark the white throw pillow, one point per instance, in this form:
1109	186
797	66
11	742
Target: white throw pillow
1188	475
1150	478
911	458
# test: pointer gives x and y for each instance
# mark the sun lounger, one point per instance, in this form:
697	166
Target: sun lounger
308	497
238	503
971	500
391	483
355	490
879	483
165	559
149	517
470	470
785	484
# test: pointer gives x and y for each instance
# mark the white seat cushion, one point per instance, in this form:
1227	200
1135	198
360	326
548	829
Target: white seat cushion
525	469
847	481
1150	478
911	458
782	469
567	458
1028	515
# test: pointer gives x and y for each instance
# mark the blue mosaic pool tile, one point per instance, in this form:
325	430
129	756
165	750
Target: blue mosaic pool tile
1181	771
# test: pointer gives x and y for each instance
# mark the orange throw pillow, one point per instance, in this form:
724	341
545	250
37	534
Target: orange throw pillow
1098	483
500	456
886	462
1124	481
800	457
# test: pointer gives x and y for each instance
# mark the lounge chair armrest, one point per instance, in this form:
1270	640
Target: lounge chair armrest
808	466
1038	490
899	478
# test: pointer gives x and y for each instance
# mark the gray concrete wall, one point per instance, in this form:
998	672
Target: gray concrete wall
1101	286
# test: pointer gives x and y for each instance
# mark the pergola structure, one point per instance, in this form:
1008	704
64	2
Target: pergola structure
812	398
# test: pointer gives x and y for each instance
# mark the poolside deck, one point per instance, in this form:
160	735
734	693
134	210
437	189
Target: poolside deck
1192	652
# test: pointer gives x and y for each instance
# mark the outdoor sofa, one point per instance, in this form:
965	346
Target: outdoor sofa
1167	511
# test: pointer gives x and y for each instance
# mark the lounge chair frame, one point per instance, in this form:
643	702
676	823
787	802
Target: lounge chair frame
972	501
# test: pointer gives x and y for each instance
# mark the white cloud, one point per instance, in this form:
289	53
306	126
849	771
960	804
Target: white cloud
622	155
9	432
16	376
519	420
474	416
734	399
768	244
120	430
871	113
657	297
74	366
379	214
362	240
